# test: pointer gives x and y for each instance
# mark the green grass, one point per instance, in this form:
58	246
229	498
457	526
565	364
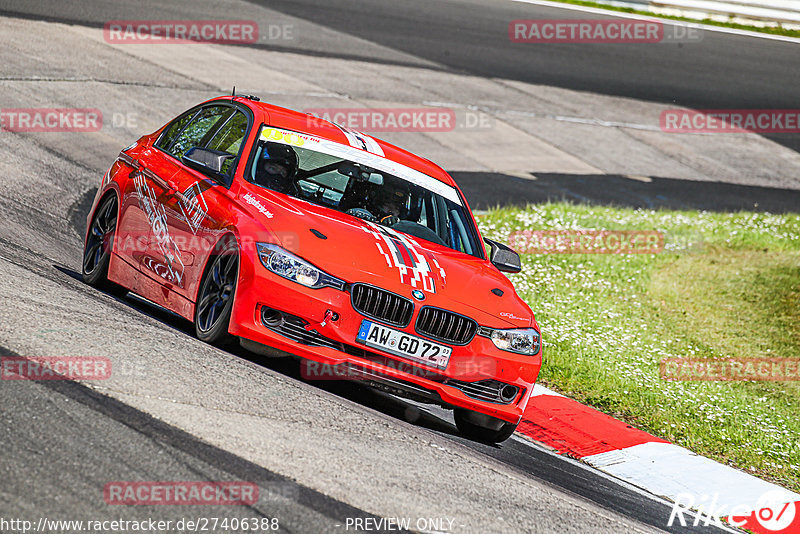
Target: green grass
726	284
776	30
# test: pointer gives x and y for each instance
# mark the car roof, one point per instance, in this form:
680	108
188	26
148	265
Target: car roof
305	123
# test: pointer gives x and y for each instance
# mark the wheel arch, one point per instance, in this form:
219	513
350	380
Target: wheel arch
225	238
99	199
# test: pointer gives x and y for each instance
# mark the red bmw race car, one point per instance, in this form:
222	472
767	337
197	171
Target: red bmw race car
294	235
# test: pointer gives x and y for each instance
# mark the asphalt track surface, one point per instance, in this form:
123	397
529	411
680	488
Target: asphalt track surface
62	441
722	71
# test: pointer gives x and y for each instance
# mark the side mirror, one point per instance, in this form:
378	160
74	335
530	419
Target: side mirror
207	161
503	257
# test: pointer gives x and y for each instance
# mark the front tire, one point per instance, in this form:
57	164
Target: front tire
483	428
212	314
98	246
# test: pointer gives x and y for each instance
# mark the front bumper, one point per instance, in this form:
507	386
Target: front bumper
473	372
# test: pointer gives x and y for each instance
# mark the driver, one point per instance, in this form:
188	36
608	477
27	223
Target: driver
277	167
389	204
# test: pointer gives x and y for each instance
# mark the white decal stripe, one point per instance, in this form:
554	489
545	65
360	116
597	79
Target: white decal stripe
421	269
351	138
372	145
361	140
439	267
157	215
385	255
420	273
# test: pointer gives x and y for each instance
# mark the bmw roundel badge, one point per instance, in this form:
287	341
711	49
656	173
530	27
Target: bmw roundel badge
417	294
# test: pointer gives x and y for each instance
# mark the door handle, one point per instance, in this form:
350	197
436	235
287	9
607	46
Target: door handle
170	189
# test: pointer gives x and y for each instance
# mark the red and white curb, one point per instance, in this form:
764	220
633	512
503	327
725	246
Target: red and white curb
689	480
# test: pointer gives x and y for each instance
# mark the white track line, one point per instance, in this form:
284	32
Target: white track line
541	390
620	14
618	481
671	471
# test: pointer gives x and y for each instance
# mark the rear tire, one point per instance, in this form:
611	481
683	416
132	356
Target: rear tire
497	431
98	246
212	315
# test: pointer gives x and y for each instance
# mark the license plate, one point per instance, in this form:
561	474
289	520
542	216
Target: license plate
404	345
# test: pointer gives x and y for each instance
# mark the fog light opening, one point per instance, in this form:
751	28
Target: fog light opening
271	318
508	393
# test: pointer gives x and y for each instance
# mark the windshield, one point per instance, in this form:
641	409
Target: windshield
363	185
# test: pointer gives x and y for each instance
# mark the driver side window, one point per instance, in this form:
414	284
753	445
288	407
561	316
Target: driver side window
229	138
196	132
173	130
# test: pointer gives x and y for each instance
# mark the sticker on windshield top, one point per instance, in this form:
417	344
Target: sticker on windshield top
284	136
359	155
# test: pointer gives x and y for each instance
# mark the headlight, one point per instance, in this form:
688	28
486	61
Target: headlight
520	340
285	264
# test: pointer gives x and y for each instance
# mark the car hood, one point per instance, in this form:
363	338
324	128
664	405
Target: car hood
359	251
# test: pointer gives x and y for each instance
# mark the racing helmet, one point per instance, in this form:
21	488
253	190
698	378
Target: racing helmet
390	200
277	166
